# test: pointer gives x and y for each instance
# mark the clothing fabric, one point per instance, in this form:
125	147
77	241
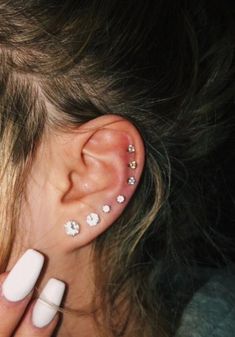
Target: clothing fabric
211	311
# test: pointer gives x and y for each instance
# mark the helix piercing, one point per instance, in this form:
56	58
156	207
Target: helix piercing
132	164
131	180
131	148
72	228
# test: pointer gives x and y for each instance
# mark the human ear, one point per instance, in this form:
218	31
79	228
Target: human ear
95	170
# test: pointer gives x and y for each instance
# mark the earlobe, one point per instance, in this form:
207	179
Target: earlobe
113	158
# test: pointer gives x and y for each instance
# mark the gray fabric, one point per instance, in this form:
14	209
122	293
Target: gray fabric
211	312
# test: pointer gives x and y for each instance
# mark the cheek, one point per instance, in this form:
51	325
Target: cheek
37	216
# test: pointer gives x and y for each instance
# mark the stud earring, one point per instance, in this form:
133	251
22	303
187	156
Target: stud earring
106	209
131	180
132	164
131	148
93	219
72	228
120	198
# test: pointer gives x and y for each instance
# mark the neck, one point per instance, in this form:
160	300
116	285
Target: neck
76	270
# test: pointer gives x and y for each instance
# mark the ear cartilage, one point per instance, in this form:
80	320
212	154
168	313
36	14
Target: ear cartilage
106	208
132	164
121	198
131	180
93	219
72	228
131	148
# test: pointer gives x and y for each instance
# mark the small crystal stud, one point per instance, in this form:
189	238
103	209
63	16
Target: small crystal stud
132	164
93	219
72	228
131	148
131	180
120	199
106	209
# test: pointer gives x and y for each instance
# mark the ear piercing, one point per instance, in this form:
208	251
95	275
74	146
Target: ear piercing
72	228
93	219
131	148
106	209
120	198
132	164
131	180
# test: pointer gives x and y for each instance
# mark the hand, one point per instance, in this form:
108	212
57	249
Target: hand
19	315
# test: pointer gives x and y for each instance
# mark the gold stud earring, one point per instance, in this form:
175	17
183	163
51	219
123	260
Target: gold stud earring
132	164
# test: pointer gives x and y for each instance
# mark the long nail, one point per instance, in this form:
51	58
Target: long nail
23	276
45	307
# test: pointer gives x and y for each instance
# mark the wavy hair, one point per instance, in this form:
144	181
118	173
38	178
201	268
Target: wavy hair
168	67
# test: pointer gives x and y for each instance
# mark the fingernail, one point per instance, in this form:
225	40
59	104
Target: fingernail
44	310
23	276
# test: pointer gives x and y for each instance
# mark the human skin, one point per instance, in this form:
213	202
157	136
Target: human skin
75	173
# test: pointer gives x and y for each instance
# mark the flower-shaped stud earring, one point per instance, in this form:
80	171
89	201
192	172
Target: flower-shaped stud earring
72	228
93	219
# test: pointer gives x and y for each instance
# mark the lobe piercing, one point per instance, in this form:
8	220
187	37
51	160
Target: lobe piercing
132	164
131	148
120	198
72	228
93	219
131	180
106	208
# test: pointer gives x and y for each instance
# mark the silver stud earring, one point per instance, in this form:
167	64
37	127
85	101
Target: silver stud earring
131	148
120	198
131	180
93	219
106	209
72	228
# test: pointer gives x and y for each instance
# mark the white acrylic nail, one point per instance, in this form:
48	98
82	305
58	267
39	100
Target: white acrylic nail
23	276
45	307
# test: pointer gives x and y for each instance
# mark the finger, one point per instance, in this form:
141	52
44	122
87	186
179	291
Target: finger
16	290
11	313
42	317
27	329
